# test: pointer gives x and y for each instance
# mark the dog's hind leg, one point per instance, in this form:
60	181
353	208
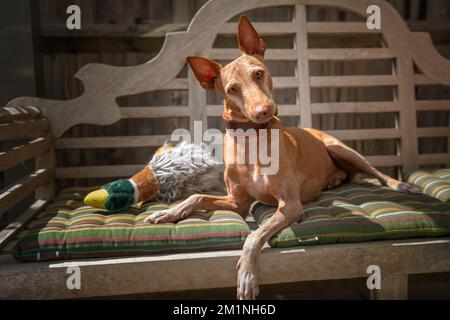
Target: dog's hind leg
352	162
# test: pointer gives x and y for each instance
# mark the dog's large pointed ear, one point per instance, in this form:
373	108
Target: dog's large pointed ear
248	39
206	71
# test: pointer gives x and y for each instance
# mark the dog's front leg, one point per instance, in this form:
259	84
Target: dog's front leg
239	204
247	282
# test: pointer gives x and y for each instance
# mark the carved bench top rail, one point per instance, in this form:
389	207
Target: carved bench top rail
104	83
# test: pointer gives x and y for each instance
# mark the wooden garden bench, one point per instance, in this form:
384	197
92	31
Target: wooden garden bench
42	123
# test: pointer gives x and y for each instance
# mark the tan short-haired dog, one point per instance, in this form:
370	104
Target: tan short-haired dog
309	160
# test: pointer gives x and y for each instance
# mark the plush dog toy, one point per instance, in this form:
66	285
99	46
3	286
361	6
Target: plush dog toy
171	174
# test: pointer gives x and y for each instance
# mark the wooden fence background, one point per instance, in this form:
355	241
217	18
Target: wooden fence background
130	32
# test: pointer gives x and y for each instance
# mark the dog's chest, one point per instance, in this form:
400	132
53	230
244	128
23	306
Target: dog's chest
258	184
259	180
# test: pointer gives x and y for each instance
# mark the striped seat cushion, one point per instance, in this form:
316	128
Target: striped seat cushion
69	229
355	213
435	184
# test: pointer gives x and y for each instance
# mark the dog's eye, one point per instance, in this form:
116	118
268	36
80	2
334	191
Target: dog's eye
258	74
231	90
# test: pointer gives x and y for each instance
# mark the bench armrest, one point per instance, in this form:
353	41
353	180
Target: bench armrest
25	137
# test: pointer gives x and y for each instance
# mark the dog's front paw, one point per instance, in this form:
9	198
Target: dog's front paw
406	187
247	283
163	216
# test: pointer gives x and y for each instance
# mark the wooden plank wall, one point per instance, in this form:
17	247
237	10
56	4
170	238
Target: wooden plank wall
115	39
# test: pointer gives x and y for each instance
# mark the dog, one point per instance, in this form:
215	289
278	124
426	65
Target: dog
309	160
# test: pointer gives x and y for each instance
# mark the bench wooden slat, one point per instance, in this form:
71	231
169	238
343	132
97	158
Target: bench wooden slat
365	134
353	81
433	132
384	161
111	171
350	54
285	82
154	112
313	54
432	105
19	224
9	114
214	110
302	72
22	129
19	190
434	158
325	108
339	28
111	142
355	107
23	152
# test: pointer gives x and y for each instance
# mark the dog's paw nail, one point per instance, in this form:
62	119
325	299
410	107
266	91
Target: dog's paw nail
159	220
239	294
152	218
164	216
247	285
148	220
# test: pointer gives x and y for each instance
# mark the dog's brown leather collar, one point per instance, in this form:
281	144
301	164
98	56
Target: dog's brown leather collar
248	125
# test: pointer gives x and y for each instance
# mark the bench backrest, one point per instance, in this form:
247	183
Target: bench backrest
113	94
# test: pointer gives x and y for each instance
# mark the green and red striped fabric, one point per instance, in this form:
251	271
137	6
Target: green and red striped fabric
68	229
435	184
361	212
